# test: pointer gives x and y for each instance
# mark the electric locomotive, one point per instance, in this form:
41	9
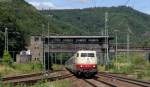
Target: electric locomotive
83	62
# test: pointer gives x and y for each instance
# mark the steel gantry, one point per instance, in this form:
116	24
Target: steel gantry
53	45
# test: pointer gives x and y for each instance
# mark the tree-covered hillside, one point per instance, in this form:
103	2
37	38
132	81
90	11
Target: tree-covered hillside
122	18
23	20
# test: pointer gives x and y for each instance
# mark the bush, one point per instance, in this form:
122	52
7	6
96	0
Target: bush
27	68
135	64
7	59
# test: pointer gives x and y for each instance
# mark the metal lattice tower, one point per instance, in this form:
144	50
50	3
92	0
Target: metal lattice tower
106	39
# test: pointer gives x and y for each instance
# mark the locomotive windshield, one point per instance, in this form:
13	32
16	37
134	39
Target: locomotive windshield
87	54
90	54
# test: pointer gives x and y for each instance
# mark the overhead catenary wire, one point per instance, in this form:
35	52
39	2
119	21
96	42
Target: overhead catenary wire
94	3
126	3
106	33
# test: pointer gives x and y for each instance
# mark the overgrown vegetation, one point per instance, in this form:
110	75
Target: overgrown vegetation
91	22
17	69
7	59
23	20
57	83
57	67
135	64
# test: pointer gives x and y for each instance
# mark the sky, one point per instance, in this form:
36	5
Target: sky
141	5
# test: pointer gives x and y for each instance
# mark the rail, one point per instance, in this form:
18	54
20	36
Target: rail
124	79
33	78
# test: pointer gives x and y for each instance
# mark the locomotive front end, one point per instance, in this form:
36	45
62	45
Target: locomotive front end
86	63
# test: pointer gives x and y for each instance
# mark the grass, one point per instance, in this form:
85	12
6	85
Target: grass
101	68
135	64
58	83
57	67
17	69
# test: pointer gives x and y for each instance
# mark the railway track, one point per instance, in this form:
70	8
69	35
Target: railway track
120	81
27	75
108	80
105	79
98	83
100	80
33	78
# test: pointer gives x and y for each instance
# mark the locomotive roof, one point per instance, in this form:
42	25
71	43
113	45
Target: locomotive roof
86	51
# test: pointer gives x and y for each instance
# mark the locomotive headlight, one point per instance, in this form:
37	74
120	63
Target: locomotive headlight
81	66
94	66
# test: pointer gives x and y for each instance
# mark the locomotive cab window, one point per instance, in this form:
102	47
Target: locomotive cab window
83	54
90	54
87	55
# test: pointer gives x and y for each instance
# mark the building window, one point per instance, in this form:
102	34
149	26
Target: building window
36	39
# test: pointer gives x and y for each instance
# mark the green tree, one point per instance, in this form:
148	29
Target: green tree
7	59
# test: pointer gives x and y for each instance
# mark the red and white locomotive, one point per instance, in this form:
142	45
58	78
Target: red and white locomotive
84	62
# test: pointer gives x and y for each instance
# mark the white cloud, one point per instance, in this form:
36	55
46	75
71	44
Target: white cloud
148	12
82	1
43	5
47	4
